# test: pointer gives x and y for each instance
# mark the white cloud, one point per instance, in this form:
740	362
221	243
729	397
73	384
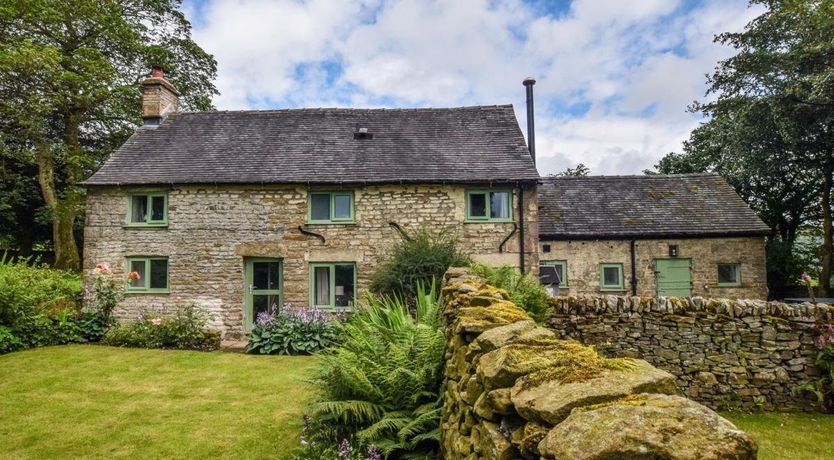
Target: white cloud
632	66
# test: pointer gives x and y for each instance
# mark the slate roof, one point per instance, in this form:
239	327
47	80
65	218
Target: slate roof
615	207
453	145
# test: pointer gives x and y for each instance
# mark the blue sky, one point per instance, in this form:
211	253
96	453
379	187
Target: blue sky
614	77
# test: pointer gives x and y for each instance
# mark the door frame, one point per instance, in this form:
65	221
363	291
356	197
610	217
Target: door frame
248	292
657	272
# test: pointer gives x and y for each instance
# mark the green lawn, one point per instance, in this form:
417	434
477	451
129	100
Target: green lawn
789	436
86	401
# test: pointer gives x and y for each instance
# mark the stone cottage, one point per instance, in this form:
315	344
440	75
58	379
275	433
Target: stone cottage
245	211
651	235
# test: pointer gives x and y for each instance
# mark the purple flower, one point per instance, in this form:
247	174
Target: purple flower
374	453
344	450
264	319
820	342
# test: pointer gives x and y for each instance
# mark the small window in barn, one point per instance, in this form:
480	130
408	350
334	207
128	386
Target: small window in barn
333	285
330	207
611	277
488	205
729	274
148	210
561	267
147	274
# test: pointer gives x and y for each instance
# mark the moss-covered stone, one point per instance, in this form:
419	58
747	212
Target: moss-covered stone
500	368
527	438
552	401
480	319
647	427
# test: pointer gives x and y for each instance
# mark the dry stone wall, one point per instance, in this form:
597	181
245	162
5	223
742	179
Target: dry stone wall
726	354
515	390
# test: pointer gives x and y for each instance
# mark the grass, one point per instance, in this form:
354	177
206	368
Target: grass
87	401
789	436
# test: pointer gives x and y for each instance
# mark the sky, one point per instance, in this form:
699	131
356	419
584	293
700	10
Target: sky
614	77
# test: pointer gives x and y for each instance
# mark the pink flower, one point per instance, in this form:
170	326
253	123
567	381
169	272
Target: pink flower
102	269
156	321
820	342
806	278
133	276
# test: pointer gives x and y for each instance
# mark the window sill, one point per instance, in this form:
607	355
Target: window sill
328	222
141	226
612	289
327	309
488	221
728	285
161	292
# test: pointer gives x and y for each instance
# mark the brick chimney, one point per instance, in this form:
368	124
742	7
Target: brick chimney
159	98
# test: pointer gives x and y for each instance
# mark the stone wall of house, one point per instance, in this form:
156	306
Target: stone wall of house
212	229
727	354
584	258
515	390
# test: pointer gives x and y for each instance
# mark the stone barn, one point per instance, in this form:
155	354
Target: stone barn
651	235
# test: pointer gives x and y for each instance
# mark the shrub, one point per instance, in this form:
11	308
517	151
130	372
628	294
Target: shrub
293	331
525	290
8	341
380	385
185	331
29	290
825	361
419	259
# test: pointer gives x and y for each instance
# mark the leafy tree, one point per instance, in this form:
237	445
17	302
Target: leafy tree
579	170
69	74
771	125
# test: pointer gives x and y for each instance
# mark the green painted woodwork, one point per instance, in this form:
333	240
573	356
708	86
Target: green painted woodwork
263	289
729	275
611	277
153	272
562	267
335	200
487	195
331	302
674	277
148	218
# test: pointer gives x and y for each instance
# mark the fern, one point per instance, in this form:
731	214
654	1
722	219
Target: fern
381	384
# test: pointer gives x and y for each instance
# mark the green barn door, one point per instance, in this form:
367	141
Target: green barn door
263	289
673	277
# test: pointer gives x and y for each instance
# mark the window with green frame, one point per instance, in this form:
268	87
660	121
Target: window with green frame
147	274
149	209
489	205
561	269
611	277
729	274
333	285
330	207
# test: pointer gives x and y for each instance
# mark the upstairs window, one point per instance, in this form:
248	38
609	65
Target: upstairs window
330	207
489	205
611	277
147	274
333	285
148	210
729	274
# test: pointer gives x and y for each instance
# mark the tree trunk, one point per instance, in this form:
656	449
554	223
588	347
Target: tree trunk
63	216
827	243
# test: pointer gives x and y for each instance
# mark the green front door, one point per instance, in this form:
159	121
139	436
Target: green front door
673	277
263	289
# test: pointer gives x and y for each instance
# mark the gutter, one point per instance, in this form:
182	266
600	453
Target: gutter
632	245
521	228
